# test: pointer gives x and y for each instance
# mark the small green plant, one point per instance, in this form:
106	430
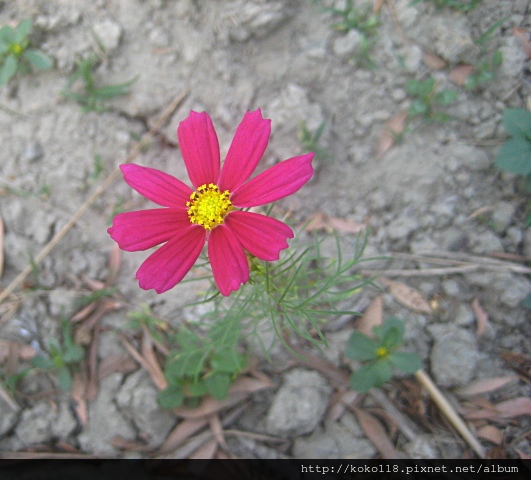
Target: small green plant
460	5
514	155
310	141
89	96
485	72
427	99
362	19
16	54
379	355
62	356
202	366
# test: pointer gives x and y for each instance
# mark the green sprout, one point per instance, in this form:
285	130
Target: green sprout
514	156
379	355
16	54
459	5
62	357
427	99
310	141
363	20
90	96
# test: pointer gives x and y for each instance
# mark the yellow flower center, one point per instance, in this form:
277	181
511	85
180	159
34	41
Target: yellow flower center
208	206
382	352
16	49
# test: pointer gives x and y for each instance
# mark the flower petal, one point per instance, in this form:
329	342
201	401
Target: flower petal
168	265
157	186
227	257
246	150
275	183
200	148
144	229
260	235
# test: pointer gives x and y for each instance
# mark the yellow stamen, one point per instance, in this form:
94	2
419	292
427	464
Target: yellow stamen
382	352
16	49
208	206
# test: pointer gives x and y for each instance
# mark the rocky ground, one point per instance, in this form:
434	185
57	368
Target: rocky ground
434	191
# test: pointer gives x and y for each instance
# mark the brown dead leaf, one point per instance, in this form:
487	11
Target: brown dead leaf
522	455
372	316
491	433
485	385
482	318
323	222
84	312
154	368
392	129
433	61
1	246
117	362
9	347
480	211
217	430
523	36
515	407
182	432
77	393
376	433
377	6
207	451
126	444
459	74
115	263
409	297
209	406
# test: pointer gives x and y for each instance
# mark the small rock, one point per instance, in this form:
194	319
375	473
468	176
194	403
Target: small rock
514	290
400	228
413	58
464	316
485	242
62	302
450	38
138	401
8	417
454	355
33	151
422	448
502	215
451	287
34	425
348	44
527	243
515	236
64	423
108	34
338	439
299	404
105	420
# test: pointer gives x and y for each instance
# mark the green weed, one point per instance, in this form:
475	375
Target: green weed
460	5
16	55
427	99
514	156
310	140
379	354
62	356
90	96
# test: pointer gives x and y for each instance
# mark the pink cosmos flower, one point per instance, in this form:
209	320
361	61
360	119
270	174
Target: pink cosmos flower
212	212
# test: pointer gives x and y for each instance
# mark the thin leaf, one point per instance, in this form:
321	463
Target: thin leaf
1	246
8	70
523	36
38	59
182	432
433	61
405	361
393	128
409	298
459	74
491	433
372	316
485	385
376	434
361	347
482	318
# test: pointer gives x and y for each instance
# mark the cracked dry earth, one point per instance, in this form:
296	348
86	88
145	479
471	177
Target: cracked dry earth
433	194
